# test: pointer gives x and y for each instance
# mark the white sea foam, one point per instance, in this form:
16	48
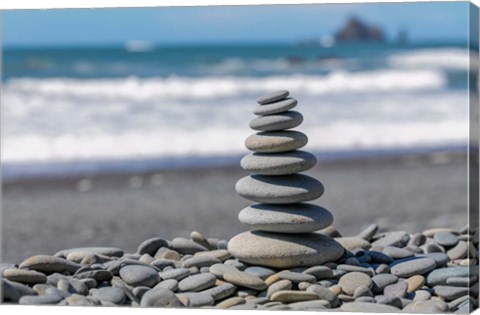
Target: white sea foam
445	58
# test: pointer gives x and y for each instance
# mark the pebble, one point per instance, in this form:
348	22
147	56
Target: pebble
281	285
397	239
186	246
351	243
49	264
101	251
196	299
461	281
320	272
278	163
441	259
397	253
245	279
415	283
39	299
55	291
445	238
177	274
236	300
200	261
73	286
353	280
432	306
459	251
380	257
379	282
440	276
350	268
220	254
276	141
421	295
362	291
261	272
160	297
324	294
413	267
284	250
198	238
368	307
170	284
288	296
109	294
221	291
272	97
450	293
297	277
151	246
219	269
281	121
397	290
275	108
163	263
369	232
300	218
29	277
136	275
197	283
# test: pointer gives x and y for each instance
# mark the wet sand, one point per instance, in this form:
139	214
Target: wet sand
409	193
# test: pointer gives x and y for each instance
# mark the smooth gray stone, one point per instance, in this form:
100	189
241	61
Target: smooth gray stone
461	281
49	264
235	263
197	299
258	300
41	288
276	141
457	302
272	97
160	297
245	280
397	253
350	268
351	243
431	306
20	288
177	274
186	246
72	286
219	269
350	281
136	275
413	267
393	301
381	281
365	299
397	290
200	261
320	272
450	293
109	294
170	284
90	282
103	251
140	291
369	232
440	276
151	246
379	257
362	291
98	275
282	189
441	259
397	239
309	305
459	251
276	122
162	263
80	300
30	277
294	218
278	163
280	285
284	250
39	299
445	238
197	283
58	292
382	268
9	293
324	294
421	295
275	108
261	272
368	307
221	292
297	277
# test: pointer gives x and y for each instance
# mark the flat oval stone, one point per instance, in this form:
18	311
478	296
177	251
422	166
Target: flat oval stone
353	280
222	291
297	218
186	246
450	293
102	251
431	306
413	267
397	253
197	283
219	269
137	275
276	141
151	246
368	308
441	259
440	276
30	277
160	297
279	189
324	294
260	272
397	239
278	163
39	300
49	264
397	290
200	261
275	108
245	279
109	294
196	299
351	243
381	281
459	251
272	97
297	277
415	283
275	122
284	250
177	274
445	238
170	284
288	296
320	272
279	286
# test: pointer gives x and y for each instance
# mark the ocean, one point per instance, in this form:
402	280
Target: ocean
141	107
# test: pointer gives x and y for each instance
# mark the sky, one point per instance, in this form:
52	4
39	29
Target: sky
433	21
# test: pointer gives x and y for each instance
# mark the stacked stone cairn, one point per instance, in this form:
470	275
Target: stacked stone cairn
283	223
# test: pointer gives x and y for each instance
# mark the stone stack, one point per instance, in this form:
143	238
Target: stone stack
282	223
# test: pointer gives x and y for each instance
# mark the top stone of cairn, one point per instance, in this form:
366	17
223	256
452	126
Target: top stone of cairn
272	97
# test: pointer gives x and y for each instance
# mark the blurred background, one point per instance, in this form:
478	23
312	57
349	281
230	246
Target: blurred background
123	124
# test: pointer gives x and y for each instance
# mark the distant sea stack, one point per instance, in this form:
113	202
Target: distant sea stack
358	31
282	222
